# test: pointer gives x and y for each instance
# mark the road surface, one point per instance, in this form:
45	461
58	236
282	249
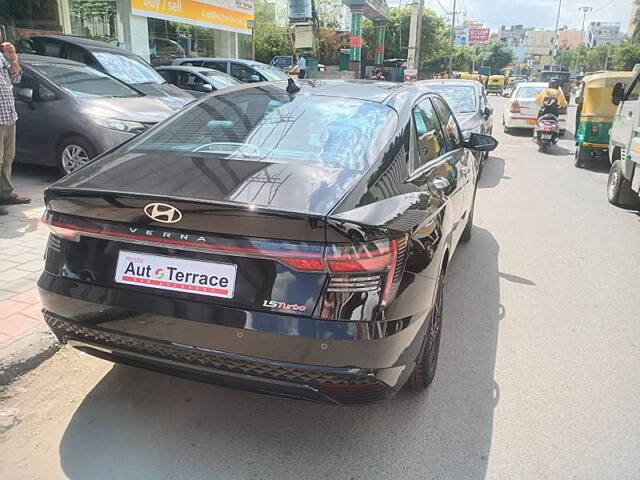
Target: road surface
539	374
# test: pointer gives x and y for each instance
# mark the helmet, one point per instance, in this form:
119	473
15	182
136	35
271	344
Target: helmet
554	83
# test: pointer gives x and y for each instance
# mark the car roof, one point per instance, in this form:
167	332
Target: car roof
82	42
219	59
533	84
190	68
27	59
451	81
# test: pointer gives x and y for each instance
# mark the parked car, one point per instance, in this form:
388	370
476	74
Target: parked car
197	81
469	103
293	244
521	111
623	187
68	112
247	71
117	62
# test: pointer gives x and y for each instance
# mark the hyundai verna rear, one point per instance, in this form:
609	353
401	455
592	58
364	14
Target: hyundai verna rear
288	241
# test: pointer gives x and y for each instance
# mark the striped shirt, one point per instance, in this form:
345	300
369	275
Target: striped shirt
8	115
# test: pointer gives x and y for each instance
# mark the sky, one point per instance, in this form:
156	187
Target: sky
533	13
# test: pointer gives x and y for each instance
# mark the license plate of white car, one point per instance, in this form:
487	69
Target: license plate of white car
177	274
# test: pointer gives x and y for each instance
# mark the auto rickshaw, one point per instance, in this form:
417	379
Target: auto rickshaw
495	84
595	113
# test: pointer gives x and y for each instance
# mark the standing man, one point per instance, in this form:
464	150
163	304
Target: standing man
10	73
302	66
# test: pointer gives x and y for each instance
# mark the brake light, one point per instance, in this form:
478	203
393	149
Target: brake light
62	232
515	107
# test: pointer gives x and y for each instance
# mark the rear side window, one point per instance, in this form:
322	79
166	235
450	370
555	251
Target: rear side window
428	133
241	72
168	75
193	63
76	54
449	124
268	125
221	67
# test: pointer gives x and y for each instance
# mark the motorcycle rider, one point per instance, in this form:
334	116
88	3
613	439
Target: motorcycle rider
552	92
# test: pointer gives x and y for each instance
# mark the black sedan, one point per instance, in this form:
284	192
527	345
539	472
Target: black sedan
469	103
286	239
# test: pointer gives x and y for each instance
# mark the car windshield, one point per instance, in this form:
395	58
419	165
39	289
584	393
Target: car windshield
461	99
84	81
128	68
220	80
267	124
270	73
528	92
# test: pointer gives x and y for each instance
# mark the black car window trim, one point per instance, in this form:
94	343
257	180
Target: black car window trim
37	80
446	138
443	158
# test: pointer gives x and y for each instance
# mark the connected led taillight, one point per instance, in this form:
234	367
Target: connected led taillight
62	232
515	107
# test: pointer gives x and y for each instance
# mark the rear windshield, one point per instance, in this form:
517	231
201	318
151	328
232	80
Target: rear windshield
461	99
528	92
84	81
267	124
270	73
128	68
220	80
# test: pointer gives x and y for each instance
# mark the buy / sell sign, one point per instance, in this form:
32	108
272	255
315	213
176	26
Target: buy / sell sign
230	15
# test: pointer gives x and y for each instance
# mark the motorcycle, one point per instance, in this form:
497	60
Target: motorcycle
547	129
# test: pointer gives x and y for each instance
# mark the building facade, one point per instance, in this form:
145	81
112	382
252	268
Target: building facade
603	33
156	30
539	48
569	39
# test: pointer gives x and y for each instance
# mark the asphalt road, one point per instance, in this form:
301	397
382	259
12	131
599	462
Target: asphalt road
539	374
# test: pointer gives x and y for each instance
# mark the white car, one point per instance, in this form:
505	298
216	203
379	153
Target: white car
521	111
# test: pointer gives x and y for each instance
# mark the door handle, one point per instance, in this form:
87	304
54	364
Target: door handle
441	183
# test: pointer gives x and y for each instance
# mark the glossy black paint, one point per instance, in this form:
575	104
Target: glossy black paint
398	197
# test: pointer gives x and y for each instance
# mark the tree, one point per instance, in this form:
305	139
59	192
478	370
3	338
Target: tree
497	55
626	55
434	38
330	43
270	39
635	37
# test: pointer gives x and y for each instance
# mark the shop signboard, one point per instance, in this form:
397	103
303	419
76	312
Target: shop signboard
229	15
479	35
299	10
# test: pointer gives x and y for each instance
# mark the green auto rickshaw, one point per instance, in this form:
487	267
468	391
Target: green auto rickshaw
594	115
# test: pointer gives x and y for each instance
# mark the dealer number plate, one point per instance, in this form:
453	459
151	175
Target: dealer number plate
178	274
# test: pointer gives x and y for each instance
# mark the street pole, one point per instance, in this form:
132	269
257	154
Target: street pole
453	39
555	36
585	10
415	29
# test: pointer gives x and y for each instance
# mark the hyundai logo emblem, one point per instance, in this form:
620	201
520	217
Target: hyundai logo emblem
162	212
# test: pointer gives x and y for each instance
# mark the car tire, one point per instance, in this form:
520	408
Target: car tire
543	147
507	130
466	233
561	133
72	153
619	192
427	360
578	161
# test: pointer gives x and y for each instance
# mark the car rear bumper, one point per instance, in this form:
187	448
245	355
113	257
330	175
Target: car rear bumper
363	365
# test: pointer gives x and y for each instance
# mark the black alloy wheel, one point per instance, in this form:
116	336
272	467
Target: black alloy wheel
427	361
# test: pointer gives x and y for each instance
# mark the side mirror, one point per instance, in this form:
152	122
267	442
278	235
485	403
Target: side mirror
254	78
480	142
25	94
205	87
618	93
488	111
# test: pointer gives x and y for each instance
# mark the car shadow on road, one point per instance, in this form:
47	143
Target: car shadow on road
138	424
492	172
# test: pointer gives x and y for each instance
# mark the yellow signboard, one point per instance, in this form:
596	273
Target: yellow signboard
230	15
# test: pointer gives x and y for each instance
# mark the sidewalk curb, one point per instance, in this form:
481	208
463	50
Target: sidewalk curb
27	352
